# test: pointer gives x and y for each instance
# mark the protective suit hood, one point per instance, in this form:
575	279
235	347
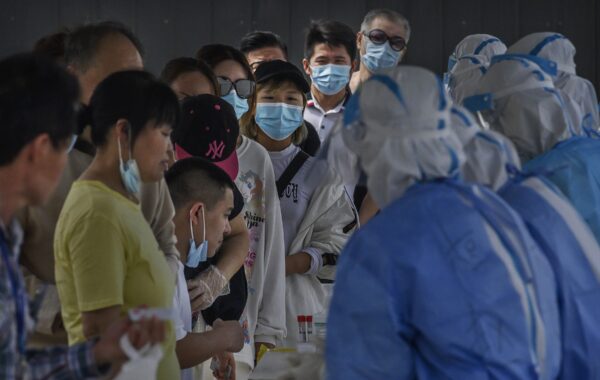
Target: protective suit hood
480	44
463	77
490	157
398	124
558	48
548	45
518	99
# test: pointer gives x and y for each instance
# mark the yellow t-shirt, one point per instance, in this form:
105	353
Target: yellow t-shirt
106	255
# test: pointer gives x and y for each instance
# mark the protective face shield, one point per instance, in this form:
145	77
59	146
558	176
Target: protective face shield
491	158
129	171
398	125
518	99
197	253
278	120
330	79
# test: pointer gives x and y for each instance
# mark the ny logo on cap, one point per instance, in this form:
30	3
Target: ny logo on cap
215	150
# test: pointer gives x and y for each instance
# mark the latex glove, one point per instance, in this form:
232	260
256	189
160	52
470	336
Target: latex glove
223	366
206	288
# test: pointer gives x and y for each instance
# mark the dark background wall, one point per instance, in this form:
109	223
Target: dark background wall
179	27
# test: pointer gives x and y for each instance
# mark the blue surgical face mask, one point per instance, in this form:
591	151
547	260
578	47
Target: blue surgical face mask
330	79
72	143
379	57
239	105
197	254
130	173
278	120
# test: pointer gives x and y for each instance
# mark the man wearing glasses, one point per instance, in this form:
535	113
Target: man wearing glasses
382	42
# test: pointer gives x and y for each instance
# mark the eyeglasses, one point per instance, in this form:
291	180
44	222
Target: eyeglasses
379	37
243	87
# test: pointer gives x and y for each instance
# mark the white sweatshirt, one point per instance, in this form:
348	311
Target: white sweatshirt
318	229
265	264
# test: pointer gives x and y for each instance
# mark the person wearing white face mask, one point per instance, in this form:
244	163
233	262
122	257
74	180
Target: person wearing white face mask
317	215
382	42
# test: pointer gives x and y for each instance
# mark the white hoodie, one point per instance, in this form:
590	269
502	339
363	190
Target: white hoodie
264	319
320	228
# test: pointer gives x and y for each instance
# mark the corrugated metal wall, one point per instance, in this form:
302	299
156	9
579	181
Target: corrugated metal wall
179	27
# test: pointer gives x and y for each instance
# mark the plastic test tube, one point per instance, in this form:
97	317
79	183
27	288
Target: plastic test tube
302	328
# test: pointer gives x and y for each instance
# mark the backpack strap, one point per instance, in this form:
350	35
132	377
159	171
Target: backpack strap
289	172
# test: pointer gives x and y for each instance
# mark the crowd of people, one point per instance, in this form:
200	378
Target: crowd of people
181	225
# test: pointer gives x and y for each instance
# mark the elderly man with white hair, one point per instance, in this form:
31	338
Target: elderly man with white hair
445	282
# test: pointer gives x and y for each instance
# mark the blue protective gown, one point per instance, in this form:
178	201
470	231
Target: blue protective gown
574	255
428	290
574	167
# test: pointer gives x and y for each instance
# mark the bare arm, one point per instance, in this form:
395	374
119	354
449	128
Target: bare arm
195	348
297	264
235	248
97	321
368	209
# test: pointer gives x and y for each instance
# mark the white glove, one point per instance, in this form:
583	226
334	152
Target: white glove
206	288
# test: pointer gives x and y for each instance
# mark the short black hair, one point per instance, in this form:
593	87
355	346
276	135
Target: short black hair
136	96
196	180
178	66
214	54
37	96
53	45
332	33
83	42
261	39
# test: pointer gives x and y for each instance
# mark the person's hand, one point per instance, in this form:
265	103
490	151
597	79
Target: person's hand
205	288
230	332
226	369
141	333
